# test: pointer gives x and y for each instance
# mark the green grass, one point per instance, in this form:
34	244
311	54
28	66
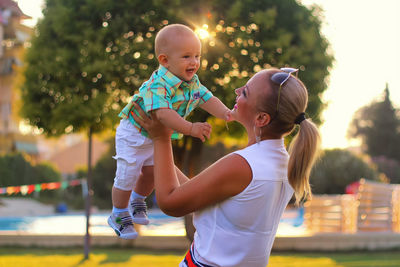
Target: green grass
20	257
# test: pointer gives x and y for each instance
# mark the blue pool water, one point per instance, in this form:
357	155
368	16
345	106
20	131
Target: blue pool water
160	225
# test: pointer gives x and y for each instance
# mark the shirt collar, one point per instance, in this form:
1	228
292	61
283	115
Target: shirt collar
172	80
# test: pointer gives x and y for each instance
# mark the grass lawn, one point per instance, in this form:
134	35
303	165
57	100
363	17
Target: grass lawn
32	257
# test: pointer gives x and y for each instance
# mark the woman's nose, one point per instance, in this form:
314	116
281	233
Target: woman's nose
237	91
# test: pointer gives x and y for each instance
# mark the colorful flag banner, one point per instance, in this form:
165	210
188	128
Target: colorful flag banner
28	189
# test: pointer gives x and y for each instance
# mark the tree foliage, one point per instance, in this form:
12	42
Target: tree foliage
390	167
88	56
378	125
338	168
73	80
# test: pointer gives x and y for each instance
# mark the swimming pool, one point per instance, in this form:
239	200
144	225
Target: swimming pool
73	224
160	225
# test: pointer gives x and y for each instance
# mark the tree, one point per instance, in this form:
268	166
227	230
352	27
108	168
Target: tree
378	126
338	168
390	167
88	56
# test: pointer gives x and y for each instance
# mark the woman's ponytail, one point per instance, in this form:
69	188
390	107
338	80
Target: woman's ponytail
303	152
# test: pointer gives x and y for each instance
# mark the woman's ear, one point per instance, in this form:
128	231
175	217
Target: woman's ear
163	60
262	119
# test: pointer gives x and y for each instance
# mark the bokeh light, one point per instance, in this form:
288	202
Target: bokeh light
203	32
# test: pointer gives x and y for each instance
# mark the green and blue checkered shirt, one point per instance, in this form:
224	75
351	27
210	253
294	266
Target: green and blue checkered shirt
165	90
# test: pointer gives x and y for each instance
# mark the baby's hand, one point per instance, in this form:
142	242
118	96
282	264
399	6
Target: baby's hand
228	116
201	130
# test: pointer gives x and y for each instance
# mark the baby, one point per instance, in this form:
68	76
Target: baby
172	92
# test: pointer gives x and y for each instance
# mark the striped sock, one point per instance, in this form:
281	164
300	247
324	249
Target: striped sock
135	195
117	210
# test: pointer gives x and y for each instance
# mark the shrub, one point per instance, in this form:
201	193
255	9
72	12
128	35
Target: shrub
16	170
390	167
336	169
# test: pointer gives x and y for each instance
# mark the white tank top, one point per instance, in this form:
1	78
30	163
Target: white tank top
240	231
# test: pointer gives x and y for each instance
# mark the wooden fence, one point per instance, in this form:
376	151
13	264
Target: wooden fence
375	208
331	213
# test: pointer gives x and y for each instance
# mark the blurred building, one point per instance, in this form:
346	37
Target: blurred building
75	156
13	38
68	152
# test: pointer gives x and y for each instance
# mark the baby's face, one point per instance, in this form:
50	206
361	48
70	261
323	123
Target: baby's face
184	56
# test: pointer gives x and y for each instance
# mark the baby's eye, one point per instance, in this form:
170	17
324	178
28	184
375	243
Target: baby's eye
186	56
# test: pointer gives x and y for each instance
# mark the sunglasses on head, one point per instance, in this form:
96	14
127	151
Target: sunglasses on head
280	78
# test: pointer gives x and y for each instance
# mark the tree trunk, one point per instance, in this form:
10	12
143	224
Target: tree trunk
193	163
179	151
88	195
194	156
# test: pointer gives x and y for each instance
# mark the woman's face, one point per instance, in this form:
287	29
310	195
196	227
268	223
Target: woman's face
246	107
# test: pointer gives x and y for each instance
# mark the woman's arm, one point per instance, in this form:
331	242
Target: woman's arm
182	178
226	178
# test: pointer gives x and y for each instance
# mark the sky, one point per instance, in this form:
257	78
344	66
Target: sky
365	41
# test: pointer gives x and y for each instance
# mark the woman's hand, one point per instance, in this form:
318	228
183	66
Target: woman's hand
152	125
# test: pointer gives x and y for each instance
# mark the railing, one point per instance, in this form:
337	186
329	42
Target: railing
375	208
331	213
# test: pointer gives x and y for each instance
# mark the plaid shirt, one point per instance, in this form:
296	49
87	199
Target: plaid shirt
165	90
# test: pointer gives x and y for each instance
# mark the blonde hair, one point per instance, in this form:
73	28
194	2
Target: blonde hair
304	147
168	34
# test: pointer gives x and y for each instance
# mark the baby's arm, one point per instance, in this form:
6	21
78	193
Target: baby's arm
171	119
215	107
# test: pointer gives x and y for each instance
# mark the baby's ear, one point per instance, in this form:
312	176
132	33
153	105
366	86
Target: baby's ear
163	60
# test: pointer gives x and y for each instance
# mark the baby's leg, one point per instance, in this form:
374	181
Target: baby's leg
120	219
127	173
120	198
127	145
145	184
143	188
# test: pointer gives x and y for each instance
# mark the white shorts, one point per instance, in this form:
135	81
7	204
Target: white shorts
133	151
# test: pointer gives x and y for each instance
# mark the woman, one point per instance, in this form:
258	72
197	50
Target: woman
239	200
